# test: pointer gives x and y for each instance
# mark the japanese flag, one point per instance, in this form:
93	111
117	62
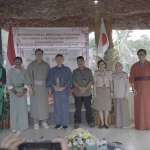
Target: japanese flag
103	43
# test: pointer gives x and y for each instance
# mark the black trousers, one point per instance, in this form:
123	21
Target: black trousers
78	105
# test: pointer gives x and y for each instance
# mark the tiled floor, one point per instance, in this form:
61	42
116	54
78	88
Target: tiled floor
132	139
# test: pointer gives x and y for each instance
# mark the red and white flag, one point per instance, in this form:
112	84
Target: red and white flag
103	43
10	50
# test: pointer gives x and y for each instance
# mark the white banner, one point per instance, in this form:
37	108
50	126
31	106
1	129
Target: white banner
70	42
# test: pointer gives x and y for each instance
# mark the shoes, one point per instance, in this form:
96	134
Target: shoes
65	127
14	131
107	127
45	125
91	125
76	126
58	127
36	126
101	126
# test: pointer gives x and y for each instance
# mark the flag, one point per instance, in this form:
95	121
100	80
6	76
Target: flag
103	43
10	50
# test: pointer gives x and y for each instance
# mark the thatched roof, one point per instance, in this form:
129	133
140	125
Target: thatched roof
125	14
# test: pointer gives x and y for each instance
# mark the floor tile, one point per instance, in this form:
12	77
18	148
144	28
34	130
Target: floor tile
118	136
141	144
143	149
31	134
131	138
53	133
4	134
128	144
141	136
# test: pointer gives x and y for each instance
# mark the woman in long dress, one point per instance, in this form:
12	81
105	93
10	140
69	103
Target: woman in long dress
15	82
103	92
121	95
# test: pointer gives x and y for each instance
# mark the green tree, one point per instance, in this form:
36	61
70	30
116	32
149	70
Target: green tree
111	55
143	42
92	44
121	43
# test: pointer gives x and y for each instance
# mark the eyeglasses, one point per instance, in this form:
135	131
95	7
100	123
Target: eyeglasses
141	54
101	64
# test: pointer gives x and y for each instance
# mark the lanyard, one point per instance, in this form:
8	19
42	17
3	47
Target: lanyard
81	73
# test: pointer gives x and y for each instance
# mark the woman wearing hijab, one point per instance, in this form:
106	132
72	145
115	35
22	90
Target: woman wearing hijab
121	95
103	92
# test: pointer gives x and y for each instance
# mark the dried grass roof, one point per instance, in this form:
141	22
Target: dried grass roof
125	14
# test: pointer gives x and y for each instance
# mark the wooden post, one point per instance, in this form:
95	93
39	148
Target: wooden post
4	124
97	25
108	26
7	123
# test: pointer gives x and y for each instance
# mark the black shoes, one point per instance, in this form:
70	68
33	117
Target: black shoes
58	127
104	126
76	126
101	127
65	127
91	125
107	127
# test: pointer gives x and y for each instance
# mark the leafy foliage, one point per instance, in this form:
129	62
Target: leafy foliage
92	44
143	42
123	38
6	104
111	58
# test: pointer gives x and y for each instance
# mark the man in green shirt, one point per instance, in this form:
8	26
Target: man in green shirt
82	80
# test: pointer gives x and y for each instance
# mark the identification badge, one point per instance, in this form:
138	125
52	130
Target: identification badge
84	81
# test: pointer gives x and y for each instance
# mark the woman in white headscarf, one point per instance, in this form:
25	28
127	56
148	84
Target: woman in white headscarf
121	95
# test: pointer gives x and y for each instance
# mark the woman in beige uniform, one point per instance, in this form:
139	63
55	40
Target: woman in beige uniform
103	92
121	94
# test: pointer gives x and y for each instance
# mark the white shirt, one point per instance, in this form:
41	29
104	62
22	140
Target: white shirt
102	78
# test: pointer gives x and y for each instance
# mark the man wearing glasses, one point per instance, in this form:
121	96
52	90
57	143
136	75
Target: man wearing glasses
140	82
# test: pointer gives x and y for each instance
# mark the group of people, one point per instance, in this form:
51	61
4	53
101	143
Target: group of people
108	86
41	81
116	85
